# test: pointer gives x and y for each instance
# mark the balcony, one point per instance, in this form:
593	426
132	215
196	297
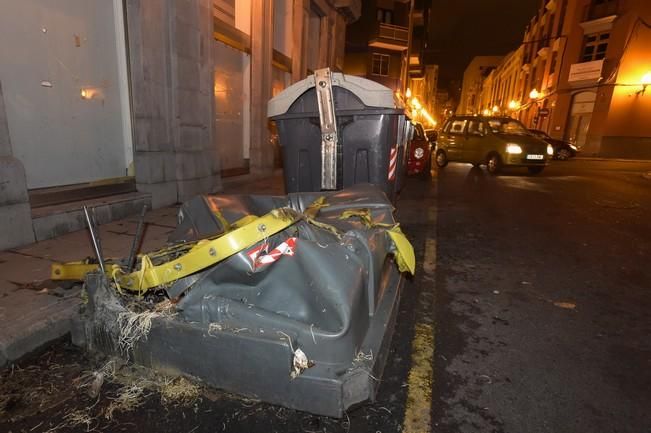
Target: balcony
390	37
585	73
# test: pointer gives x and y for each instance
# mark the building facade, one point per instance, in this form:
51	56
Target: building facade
473	78
585	68
387	45
123	103
377	44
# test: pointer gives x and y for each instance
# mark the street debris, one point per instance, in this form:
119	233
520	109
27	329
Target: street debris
565	305
178	391
129	397
300	363
134	327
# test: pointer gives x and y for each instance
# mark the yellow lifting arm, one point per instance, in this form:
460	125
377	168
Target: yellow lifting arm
205	253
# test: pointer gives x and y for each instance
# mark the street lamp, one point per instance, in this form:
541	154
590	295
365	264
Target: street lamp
514	105
496	109
534	94
645	81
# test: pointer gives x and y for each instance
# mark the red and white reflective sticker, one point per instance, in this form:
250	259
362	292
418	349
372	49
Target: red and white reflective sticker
393	162
260	255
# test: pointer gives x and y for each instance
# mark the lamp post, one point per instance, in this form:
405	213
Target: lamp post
513	106
535	97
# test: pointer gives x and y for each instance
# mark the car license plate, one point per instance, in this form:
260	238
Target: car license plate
535	157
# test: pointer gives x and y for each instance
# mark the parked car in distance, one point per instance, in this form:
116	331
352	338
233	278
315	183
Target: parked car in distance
432	135
562	149
495	141
420	153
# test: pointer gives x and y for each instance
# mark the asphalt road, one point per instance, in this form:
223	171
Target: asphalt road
543	312
530	312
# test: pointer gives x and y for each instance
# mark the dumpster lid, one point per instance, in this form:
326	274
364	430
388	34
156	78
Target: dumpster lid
371	93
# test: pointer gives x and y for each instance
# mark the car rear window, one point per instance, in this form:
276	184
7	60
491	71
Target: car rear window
457	126
504	126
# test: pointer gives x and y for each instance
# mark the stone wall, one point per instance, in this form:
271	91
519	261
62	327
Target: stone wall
15	211
172	95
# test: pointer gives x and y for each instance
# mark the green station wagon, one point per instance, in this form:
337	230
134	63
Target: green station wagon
494	141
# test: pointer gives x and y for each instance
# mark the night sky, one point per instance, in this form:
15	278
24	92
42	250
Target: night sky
462	29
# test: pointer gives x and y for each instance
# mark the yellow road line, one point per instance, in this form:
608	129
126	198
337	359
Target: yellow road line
420	380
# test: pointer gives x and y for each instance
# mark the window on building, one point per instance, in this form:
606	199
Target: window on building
553	61
601	8
380	64
561	19
385	16
595	46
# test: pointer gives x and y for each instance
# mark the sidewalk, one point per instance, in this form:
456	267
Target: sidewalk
35	310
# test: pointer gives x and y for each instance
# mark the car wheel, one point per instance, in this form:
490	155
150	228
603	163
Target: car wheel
535	170
563	154
441	159
494	164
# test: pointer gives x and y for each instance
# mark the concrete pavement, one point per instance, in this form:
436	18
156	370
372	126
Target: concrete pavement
35	310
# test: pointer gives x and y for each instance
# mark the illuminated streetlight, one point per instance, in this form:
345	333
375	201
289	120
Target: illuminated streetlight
408	93
534	94
496	109
645	81
514	105
486	112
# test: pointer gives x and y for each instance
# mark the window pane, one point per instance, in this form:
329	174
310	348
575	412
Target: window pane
604	36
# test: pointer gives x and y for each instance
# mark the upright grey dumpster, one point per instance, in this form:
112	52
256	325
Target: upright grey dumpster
338	130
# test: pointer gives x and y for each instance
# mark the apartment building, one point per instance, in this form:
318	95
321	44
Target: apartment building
125	103
377	44
586	65
473	78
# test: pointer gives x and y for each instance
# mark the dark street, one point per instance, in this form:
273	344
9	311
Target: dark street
540	312
543	304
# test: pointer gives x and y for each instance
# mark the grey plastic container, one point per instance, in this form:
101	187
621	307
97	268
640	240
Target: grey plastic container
236	326
370	122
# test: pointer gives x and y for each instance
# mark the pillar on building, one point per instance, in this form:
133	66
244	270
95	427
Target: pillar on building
15	211
261	153
172	98
299	48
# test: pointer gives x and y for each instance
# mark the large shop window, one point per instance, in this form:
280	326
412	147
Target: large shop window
595	46
380	64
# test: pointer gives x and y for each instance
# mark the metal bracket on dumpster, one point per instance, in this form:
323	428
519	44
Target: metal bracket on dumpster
328	121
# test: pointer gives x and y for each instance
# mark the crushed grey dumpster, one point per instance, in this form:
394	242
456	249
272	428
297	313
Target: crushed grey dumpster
338	130
287	299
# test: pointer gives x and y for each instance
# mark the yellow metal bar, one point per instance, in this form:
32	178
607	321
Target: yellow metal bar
207	252
76	270
404	254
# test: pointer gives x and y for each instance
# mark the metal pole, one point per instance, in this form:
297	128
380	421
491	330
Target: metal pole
136	240
95	239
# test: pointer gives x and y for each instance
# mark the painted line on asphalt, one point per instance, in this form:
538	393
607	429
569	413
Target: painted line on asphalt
420	381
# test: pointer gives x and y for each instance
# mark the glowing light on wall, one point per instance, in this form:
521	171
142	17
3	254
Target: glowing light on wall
534	94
